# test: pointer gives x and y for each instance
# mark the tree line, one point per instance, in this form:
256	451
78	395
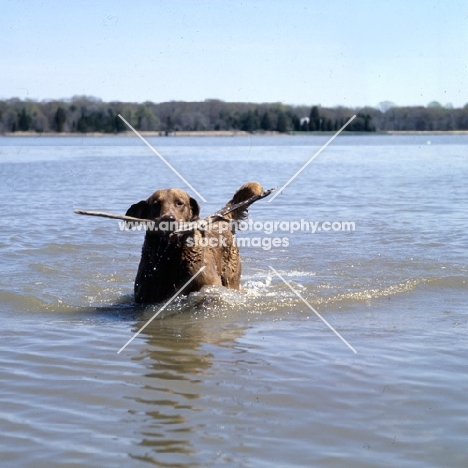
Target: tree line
83	114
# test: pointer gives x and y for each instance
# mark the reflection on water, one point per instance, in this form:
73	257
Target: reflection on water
177	360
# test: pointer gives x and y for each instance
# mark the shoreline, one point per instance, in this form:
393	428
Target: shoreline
222	133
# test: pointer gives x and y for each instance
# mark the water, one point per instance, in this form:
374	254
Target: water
224	378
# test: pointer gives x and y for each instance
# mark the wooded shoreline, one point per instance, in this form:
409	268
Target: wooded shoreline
86	115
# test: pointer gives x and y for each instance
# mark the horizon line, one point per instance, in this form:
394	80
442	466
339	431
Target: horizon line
389	104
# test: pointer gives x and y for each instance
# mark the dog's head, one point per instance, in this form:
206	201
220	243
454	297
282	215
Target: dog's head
169	206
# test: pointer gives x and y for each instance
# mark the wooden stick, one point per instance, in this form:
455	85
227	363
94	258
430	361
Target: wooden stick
199	224
113	216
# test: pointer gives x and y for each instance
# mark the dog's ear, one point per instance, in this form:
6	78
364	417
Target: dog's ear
139	210
195	207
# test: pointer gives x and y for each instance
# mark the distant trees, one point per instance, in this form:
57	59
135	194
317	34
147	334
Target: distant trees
24	120
418	118
249	121
265	124
59	119
83	114
282	122
315	122
362	123
329	120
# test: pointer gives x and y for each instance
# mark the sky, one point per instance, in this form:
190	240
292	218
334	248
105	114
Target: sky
351	53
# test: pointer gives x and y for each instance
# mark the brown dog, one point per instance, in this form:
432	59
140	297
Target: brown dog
169	259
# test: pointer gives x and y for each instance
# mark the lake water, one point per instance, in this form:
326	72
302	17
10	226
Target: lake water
238	379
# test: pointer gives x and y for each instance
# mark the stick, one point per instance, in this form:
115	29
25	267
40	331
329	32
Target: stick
112	216
199	224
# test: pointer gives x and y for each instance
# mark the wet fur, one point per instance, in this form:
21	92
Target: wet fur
168	261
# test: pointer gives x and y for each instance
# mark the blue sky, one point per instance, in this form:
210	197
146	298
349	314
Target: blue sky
327	52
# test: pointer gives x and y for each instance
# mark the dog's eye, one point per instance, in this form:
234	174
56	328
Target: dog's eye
180	204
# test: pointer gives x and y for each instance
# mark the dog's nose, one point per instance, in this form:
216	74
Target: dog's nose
168	218
167	224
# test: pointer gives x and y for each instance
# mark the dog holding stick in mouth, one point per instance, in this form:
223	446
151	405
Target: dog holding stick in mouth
171	256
